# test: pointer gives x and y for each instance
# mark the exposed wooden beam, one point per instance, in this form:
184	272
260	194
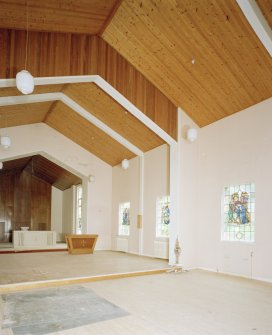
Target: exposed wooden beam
258	22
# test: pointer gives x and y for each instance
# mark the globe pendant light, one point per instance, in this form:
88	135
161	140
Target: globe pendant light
24	79
25	82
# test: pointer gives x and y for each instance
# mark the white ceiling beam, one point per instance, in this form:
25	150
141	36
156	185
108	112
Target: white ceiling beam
29	99
38	81
33	98
258	22
107	88
99	124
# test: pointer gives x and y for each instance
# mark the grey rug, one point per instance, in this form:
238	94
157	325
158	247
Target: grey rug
55	309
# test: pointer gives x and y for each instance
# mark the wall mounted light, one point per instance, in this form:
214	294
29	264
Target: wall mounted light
5	141
125	164
1	165
191	134
91	178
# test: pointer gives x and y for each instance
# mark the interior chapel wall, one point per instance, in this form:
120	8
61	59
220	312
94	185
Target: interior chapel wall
233	151
39	138
126	187
188	201
56	212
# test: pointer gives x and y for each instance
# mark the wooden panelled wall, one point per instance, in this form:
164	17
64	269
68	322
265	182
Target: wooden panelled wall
25	201
58	54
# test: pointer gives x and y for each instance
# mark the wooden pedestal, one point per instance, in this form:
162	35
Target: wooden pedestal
81	244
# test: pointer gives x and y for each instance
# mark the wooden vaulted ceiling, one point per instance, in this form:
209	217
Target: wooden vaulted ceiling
74	16
232	69
66	121
200	55
44	169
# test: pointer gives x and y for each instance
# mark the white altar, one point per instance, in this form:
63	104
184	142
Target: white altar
36	239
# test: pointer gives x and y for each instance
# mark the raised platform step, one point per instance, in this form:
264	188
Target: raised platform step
9	288
15	251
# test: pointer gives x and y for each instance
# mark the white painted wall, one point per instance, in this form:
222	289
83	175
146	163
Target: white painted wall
156	184
56	212
68	211
40	138
100	205
188	205
236	150
126	188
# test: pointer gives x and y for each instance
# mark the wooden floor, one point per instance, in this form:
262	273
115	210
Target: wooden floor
191	303
27	270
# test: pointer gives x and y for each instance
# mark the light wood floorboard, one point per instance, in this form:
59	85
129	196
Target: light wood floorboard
191	303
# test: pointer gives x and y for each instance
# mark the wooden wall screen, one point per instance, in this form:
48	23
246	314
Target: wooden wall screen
25	201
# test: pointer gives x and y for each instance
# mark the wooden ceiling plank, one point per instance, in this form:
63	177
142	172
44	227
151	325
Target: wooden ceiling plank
51	54
53	173
164	76
160	39
110	16
238	62
44	169
15	164
74	16
17	115
39	89
258	22
82	132
266	8
98	103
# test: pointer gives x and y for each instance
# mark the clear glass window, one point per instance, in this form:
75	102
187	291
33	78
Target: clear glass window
79	209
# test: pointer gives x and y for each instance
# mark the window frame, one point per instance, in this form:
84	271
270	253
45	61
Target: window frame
120	225
159	202
223	233
79	201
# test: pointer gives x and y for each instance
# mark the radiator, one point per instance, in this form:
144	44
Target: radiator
122	244
161	249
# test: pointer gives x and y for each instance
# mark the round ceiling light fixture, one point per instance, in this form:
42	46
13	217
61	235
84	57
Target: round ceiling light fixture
125	164
91	178
5	142
25	82
192	134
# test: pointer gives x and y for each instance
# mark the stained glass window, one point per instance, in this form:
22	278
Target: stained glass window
239	213
79	209
124	218
163	217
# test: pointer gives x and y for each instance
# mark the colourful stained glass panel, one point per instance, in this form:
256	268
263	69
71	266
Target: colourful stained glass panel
163	217
124	218
239	213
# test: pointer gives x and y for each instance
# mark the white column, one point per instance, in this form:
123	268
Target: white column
141	203
174	193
